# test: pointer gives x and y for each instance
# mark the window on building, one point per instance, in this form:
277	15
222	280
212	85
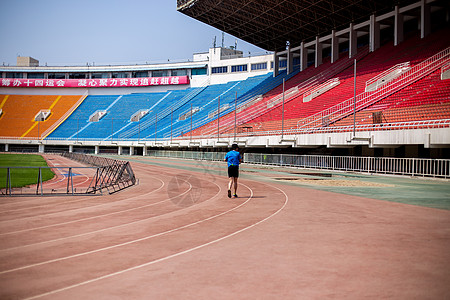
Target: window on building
163	73
120	75
179	72
77	75
139	74
260	66
35	75
282	63
240	68
218	70
14	75
202	71
56	76
99	75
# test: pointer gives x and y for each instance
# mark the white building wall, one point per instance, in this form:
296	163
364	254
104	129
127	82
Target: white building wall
218	59
199	80
201	57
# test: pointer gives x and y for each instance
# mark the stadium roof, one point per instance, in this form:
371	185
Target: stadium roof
270	23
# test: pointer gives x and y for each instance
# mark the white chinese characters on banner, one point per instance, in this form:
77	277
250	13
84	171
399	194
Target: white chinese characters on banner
85	83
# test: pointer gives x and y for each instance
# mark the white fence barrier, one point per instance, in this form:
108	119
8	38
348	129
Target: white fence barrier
421	167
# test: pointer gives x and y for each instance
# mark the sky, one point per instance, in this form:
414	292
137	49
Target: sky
104	32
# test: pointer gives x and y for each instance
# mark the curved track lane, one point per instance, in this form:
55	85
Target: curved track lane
98	241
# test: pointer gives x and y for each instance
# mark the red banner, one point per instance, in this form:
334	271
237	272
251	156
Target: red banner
92	83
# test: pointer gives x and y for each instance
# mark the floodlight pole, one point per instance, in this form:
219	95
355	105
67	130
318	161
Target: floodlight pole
112	129
235	116
8	182
156	125
218	119
38	129
191	121
354	99
139	129
282	115
171	122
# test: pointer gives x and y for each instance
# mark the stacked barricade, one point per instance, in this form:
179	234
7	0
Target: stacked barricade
100	173
114	175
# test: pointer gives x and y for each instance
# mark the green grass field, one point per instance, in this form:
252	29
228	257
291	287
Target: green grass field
23	176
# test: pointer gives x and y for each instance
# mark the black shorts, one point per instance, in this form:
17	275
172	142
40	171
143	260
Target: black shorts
233	171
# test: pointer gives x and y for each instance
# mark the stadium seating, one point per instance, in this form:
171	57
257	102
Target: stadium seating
246	91
19	112
413	50
167	106
426	99
258	101
208	102
297	82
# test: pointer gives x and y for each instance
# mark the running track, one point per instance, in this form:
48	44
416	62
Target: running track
177	236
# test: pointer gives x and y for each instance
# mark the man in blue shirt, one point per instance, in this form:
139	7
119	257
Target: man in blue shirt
233	158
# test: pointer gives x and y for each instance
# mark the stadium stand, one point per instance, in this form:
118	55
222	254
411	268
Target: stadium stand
414	51
19	111
116	123
264	92
271	101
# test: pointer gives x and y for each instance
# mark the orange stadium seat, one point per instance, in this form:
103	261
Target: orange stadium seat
19	112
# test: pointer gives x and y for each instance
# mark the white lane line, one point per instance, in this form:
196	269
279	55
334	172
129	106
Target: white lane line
71	210
93	217
38	206
134	241
96	231
60	169
167	257
45	205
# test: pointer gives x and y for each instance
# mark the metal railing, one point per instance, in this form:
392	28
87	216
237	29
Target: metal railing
423	124
320	89
422	167
103	173
386	76
417	167
112	174
42	187
211	156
